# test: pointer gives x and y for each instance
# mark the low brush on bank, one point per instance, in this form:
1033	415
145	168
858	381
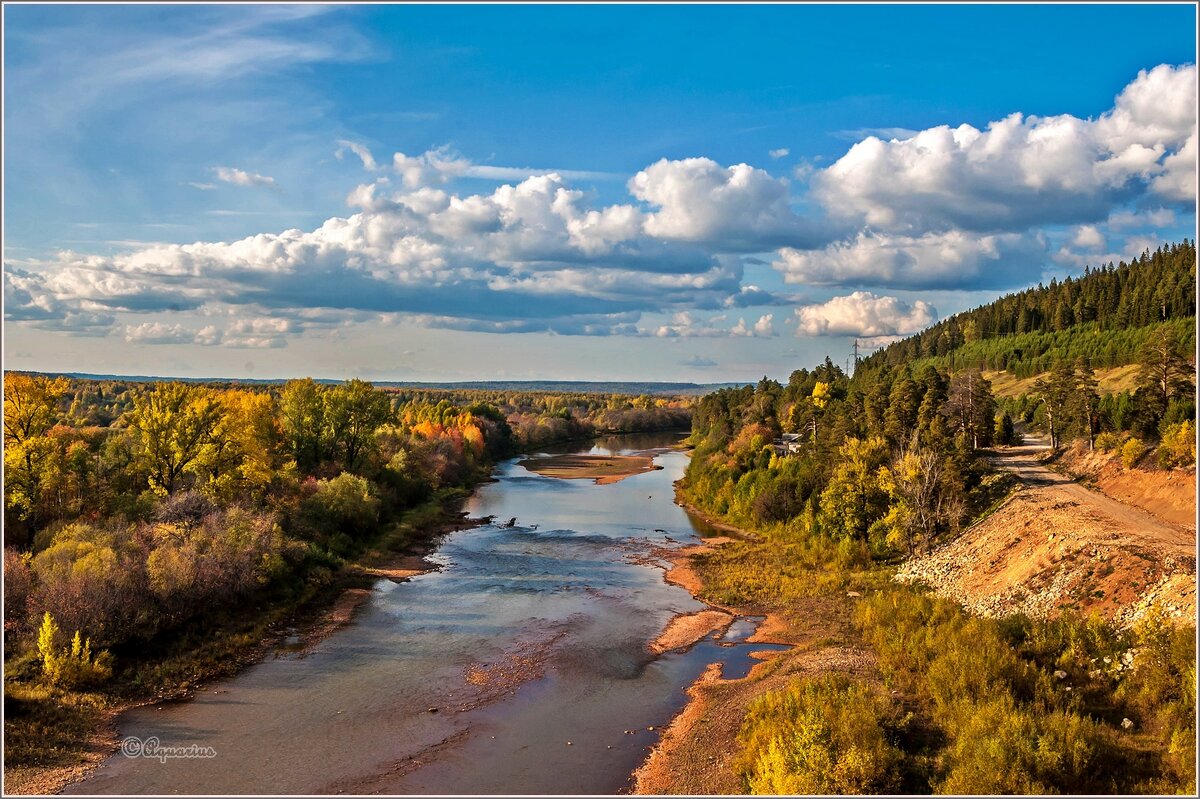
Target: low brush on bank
964	704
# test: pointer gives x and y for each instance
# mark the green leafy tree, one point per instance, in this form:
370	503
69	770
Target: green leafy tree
171	425
901	414
1005	433
30	408
971	407
1087	401
353	412
1164	373
302	417
922	499
855	496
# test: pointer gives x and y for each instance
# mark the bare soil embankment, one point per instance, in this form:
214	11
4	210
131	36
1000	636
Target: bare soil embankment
1056	545
1169	494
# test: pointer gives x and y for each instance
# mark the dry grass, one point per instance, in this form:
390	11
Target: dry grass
1112	381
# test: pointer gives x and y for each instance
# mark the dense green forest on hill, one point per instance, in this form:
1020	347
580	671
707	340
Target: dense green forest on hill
1106	315
1142	312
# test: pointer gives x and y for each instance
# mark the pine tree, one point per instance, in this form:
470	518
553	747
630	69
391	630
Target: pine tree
1164	371
1087	400
1057	392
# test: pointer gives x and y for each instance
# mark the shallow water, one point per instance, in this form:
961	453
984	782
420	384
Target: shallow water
385	705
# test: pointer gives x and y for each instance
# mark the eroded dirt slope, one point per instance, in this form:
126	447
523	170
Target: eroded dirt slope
1055	544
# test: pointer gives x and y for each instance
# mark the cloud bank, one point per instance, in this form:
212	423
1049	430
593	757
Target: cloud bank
949	208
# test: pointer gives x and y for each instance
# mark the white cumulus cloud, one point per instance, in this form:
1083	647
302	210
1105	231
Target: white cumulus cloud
1024	171
864	314
763	328
1088	237
159	333
524	257
431	168
732	208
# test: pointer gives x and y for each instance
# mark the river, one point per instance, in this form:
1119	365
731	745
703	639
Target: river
520	666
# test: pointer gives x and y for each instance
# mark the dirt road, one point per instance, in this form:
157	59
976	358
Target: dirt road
1022	461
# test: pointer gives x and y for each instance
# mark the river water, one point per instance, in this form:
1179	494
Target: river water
519	667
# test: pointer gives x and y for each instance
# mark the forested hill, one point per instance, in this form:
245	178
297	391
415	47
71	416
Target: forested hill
1104	316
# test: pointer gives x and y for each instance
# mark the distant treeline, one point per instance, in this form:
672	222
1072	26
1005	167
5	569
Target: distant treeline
536	418
625	387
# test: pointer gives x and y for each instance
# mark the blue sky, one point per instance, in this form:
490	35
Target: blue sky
255	191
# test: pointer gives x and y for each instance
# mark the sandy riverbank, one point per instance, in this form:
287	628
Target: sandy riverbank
604	469
698	751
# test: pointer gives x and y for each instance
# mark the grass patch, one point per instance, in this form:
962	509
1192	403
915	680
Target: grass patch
46	727
774	575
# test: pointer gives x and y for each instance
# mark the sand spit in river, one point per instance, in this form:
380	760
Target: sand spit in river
604	469
687	629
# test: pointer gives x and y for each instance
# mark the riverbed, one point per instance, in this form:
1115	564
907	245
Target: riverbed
522	665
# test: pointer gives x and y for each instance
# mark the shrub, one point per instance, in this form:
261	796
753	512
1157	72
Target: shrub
70	666
820	735
1178	447
1107	442
1005	749
344	504
1180	409
88	580
18	587
1010	727
1132	452
1161	693
184	507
